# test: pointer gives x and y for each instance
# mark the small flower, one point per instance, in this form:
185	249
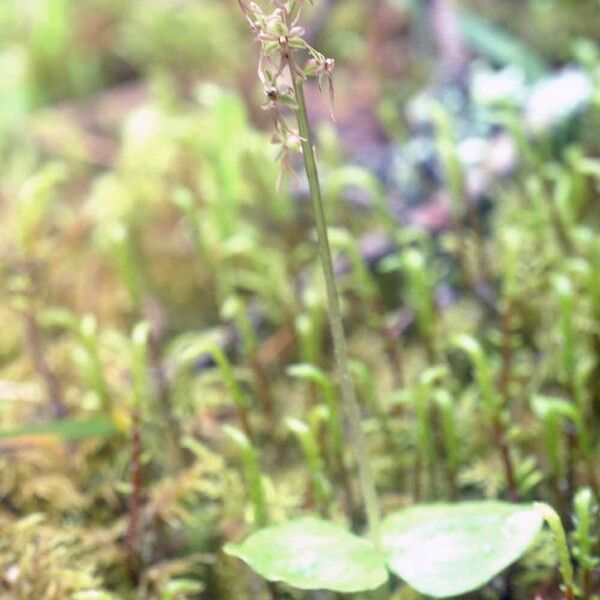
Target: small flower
280	37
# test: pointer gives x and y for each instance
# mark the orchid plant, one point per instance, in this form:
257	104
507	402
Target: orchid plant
415	543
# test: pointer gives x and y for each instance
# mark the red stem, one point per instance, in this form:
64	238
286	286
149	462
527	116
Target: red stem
133	523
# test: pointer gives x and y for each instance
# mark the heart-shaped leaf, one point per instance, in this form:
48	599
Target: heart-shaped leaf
446	550
311	554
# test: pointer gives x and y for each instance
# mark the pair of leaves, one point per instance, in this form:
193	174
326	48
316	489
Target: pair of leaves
440	550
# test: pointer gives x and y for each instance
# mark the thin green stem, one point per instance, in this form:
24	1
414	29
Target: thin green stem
335	319
584	538
252	473
560	539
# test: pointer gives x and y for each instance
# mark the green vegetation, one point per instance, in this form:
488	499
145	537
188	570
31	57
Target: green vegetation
332	331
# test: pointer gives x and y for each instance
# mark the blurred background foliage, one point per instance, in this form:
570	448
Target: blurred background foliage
137	183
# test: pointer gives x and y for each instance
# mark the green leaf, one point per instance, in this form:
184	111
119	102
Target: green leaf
178	588
93	595
311	554
68	430
446	550
497	45
487	39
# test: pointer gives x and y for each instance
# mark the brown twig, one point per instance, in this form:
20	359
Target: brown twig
35	347
263	388
133	516
499	432
505	377
164	397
